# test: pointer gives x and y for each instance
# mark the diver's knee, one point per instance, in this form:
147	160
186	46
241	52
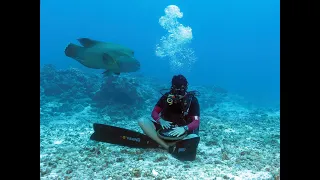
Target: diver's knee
143	121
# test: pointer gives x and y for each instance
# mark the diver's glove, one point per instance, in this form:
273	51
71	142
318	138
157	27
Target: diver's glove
177	131
165	124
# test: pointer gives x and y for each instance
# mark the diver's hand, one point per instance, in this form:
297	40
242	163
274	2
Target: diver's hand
165	124
177	131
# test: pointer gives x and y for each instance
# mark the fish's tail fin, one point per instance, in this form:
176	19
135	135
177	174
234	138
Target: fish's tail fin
73	50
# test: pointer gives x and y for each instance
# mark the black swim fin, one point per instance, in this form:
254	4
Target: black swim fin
185	150
121	136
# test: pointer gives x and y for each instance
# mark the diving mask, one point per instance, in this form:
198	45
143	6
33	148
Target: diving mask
176	95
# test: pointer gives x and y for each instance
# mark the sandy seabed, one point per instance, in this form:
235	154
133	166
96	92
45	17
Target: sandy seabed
236	143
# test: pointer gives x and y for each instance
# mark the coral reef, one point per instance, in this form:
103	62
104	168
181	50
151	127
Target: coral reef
126	94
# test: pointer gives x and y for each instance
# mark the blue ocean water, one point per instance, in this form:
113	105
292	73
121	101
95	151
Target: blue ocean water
236	43
228	50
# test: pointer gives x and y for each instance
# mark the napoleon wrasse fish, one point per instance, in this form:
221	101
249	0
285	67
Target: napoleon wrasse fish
113	58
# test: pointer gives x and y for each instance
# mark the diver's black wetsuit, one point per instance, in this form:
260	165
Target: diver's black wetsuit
173	114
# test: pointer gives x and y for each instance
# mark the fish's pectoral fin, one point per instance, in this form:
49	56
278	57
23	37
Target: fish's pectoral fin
87	43
107	59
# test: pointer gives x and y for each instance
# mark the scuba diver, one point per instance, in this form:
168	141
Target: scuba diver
174	125
177	111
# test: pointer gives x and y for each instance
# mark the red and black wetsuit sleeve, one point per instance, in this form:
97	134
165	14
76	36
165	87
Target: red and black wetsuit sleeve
155	114
194	114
